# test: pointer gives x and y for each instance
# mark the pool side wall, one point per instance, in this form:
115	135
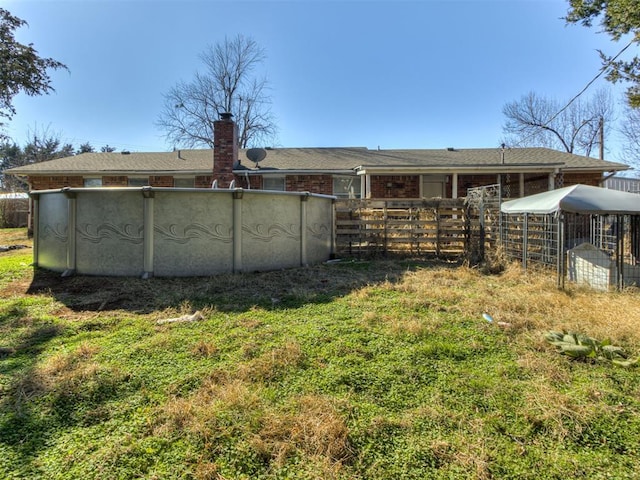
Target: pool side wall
169	232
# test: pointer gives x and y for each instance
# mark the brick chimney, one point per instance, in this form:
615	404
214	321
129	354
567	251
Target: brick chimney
225	149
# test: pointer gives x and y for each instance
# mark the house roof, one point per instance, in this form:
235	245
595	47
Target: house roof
317	160
583	199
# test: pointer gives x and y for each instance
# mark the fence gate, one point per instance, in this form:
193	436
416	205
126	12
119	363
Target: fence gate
484	204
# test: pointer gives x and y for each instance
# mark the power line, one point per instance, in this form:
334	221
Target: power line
602	70
575	97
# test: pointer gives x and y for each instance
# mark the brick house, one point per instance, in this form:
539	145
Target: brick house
344	172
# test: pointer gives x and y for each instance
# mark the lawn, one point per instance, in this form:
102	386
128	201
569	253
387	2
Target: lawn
350	370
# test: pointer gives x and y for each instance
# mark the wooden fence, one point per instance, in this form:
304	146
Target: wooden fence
430	227
14	212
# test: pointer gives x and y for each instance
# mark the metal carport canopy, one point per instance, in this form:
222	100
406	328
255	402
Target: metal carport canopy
583	199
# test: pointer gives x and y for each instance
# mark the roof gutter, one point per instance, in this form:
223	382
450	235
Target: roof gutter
621	168
448	169
275	171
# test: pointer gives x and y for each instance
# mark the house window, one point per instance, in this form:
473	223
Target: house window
93	182
433	186
273	183
138	181
184	182
346	186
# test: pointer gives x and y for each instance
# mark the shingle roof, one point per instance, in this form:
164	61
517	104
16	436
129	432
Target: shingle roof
112	162
485	157
314	159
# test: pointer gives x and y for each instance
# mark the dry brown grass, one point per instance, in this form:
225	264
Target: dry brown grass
528	300
64	374
414	325
238	404
270	364
69	372
206	349
231	403
15	236
311	426
212	410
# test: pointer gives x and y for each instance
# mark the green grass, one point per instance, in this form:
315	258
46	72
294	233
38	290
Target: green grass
13	267
357	370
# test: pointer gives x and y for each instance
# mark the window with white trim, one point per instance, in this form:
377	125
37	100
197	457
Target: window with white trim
346	186
273	183
93	182
138	181
184	182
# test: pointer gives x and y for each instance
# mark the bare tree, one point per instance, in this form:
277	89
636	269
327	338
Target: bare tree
42	145
570	126
630	129
227	84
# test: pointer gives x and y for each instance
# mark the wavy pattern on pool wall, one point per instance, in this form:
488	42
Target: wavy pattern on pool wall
179	232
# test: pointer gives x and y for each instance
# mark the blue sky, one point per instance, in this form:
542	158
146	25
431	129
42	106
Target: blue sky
393	74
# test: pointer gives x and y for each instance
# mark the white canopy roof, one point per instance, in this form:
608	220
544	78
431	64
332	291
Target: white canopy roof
576	199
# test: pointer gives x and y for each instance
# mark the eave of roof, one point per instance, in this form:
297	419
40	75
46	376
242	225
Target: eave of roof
280	172
323	160
500	168
115	173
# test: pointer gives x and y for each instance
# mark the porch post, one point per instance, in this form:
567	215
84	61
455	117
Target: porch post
454	185
521	185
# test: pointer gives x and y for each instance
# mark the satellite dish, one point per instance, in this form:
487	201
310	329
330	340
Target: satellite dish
256	155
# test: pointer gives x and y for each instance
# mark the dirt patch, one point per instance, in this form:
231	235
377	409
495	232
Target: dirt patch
82	295
226	292
7	248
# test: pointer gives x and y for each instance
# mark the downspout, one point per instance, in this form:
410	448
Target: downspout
604	179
